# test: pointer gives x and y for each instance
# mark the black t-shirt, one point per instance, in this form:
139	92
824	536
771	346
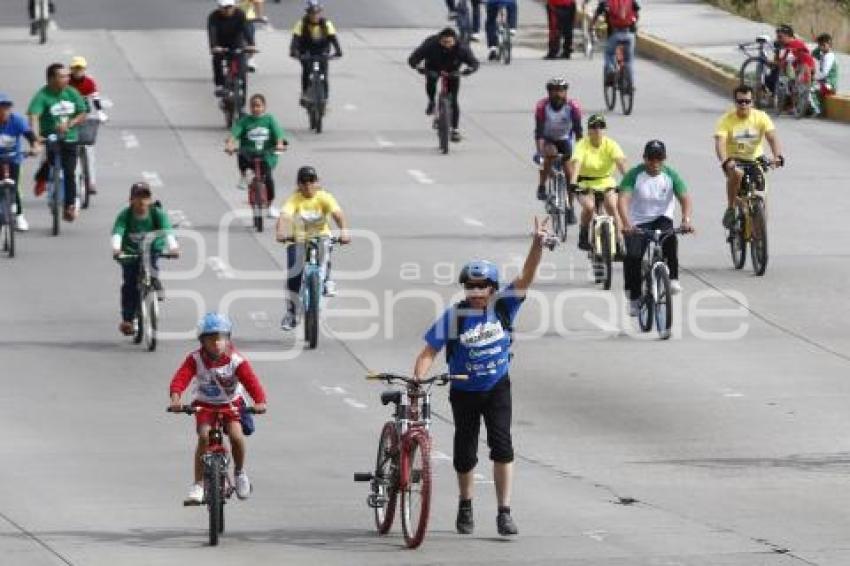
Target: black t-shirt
227	31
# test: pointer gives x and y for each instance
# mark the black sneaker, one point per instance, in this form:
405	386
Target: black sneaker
541	192
550	56
464	523
583	242
455	136
571	217
429	110
505	524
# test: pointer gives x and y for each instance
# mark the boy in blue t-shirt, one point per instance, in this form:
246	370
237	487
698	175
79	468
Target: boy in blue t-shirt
477	336
13	127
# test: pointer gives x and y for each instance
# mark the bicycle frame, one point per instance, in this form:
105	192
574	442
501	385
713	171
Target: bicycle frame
316	260
653	257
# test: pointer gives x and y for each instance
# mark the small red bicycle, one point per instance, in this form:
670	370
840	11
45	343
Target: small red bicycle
403	462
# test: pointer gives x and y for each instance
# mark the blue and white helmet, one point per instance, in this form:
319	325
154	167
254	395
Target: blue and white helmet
480	269
312	6
214	323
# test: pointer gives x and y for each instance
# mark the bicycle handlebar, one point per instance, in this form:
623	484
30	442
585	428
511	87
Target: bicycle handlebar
661	234
235	50
440	379
292	239
190	410
124	255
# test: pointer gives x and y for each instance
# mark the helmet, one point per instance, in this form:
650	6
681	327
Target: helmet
312	6
480	269
226	3
5	100
214	323
655	149
78	62
307	173
557	83
785	29
596	121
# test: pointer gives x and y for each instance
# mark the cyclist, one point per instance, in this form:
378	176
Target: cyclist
621	17
557	123
143	223
222	377
305	215
253	13
87	87
477	335
646	202
443	53
313	36
58	109
591	172
738	140
826	74
257	133
13	127
33	24
227	28
493	7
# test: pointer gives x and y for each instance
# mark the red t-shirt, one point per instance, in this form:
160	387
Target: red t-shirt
560	3
85	86
219	381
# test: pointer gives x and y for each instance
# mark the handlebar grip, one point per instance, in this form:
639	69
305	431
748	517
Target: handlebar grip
459	377
374	376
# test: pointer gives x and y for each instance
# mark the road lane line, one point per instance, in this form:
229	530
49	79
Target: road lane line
437	455
130	141
221	269
469	221
350	107
383	142
336	390
352	403
479	478
420	176
153	179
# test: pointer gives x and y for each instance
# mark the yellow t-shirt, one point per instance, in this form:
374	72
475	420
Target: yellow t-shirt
744	136
247	6
314	31
597	163
310	215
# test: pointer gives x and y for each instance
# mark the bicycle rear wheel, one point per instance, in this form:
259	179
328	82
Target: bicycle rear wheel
663	302
443	124
215	502
311	310
627	94
83	182
737	239
758	237
416	494
385	480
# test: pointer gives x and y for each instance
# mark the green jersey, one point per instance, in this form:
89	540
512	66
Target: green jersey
132	230
54	108
259	135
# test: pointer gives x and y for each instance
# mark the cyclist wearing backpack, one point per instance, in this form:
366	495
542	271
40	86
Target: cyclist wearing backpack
130	231
313	35
621	17
477	335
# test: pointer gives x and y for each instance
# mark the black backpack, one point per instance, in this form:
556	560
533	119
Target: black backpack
455	326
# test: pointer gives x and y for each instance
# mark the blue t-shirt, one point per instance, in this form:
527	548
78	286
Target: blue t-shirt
10	137
483	348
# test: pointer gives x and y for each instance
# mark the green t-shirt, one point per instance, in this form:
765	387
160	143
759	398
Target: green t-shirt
133	230
53	108
259	134
652	195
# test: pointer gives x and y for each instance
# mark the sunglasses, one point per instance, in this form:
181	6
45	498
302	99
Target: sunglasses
743	101
476	285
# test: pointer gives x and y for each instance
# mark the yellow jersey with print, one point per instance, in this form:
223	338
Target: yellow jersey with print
744	137
317	32
597	164
310	215
247	6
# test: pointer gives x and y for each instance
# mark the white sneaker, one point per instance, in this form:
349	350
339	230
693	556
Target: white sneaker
273	212
475	36
513	32
243	485
196	494
330	288
245	180
675	286
634	307
21	224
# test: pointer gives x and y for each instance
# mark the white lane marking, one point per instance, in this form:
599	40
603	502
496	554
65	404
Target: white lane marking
731	393
350	107
481	479
221	269
596	535
152	177
420	176
469	221
130	141
437	455
352	403
178	219
260	319
53	26
383	142
336	390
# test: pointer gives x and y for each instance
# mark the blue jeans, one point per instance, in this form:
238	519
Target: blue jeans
627	38
492	13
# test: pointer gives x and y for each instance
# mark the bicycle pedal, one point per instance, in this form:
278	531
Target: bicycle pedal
376	501
363	476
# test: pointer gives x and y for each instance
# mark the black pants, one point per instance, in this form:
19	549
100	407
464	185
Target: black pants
468	407
68	158
51	8
130	288
218	63
245	163
561	21
636	245
454	89
307	68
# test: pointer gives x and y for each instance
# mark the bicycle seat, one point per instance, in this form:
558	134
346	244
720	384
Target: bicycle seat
388	397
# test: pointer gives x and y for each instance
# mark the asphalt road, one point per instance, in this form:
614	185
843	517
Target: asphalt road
729	438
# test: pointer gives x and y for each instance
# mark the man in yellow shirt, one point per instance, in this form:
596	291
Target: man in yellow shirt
738	140
591	172
305	215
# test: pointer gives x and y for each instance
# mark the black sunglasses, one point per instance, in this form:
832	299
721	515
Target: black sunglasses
743	101
476	285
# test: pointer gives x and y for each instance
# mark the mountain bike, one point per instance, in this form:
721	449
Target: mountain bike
403	463
656	302
56	185
603	242
557	198
218	487
443	120
8	191
86	137
750	225
42	20
756	69
316	99
619	82
232	101
146	317
503	33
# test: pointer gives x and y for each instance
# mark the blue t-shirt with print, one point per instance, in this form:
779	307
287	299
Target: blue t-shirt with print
483	348
10	137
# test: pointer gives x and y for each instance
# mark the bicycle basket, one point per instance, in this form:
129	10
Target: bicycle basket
87	131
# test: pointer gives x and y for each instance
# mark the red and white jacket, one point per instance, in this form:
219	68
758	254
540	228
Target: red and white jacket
217	382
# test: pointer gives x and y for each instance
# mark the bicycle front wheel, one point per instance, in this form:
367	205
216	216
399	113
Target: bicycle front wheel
416	490
610	91
758	237
647	304
57	201
141	320
663	301
738	240
627	94
443	124
606	243
151	320
257	200
311	314
563	205
385	481
83	182
215	502
7	226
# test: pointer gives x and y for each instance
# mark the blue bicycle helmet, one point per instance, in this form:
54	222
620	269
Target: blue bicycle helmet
480	269
214	323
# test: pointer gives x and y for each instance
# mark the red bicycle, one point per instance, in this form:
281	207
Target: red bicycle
403	463
218	487
258	194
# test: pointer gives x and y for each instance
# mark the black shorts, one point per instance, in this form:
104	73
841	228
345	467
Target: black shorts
564	147
468	407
